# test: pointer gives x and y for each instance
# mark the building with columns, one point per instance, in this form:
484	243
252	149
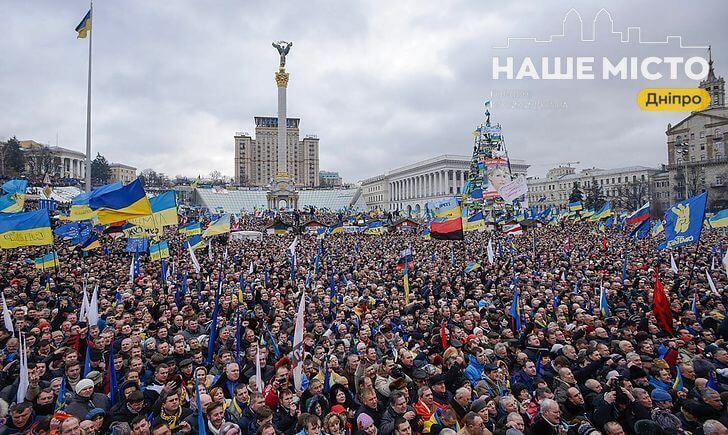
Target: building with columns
57	162
410	187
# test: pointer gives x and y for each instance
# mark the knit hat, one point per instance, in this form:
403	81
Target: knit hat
95	376
659	395
364	421
82	384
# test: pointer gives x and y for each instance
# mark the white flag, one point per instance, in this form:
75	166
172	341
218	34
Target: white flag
258	375
491	254
131	270
195	263
84	304
251	270
712	262
92	315
209	250
673	266
725	262
298	350
7	317
711	283
23	382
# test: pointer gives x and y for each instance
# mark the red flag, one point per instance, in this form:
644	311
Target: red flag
661	307
604	243
443	335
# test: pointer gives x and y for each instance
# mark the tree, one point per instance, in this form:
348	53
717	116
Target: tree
632	195
594	196
576	194
100	170
12	159
149	177
216	177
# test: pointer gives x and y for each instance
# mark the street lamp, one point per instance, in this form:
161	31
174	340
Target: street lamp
682	148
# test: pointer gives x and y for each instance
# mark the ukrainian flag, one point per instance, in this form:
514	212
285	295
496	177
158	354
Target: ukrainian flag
474	223
191	229
121	204
719	220
338	228
84	26
426	232
91	243
220	226
158	251
31	228
376	228
678	385
14	200
472	266
194	242
603	213
657	228
321	233
47	261
575	206
80	210
164	212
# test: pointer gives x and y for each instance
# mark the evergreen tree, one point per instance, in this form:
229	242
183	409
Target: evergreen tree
576	194
100	170
12	159
594	197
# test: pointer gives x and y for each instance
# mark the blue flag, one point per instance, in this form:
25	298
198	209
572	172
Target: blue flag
61	400
641	231
113	382
684	222
515	310
201	425
87	360
213	325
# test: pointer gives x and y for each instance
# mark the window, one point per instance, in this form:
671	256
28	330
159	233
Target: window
702	147
692	136
702	134
718	180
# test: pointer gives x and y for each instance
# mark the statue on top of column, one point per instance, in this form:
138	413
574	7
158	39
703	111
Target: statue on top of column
283	48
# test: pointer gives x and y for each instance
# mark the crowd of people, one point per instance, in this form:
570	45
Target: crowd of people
447	356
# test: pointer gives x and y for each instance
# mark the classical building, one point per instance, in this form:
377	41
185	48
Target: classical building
57	162
121	172
623	187
256	158
410	187
330	179
696	149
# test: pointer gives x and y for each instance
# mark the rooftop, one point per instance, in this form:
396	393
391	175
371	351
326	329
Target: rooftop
235	201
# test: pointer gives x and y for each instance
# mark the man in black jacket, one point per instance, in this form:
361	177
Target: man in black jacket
286	414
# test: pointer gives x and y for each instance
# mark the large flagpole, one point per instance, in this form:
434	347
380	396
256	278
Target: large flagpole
88	106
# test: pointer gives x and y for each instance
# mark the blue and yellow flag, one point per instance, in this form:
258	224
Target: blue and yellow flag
31	228
575	206
191	229
122	204
376	228
603	213
80	210
337	228
92	242
473	265
684	222
164	212
220	226
14	199
474	223
84	26
195	242
158	251
719	220
515	310
47	261
678	385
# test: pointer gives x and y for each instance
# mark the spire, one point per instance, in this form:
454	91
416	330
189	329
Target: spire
711	72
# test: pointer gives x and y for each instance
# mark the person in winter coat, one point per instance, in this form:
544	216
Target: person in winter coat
84	400
398	408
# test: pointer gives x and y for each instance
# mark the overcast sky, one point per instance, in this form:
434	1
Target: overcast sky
382	84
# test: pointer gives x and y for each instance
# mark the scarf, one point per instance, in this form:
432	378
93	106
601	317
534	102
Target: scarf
171	420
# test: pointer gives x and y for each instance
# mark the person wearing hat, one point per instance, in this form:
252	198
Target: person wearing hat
84	399
96	418
439	391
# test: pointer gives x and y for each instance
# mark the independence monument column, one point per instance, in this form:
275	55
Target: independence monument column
282	194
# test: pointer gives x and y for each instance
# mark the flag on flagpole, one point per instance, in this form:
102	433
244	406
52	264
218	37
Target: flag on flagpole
258	375
603	304
87	358
515	310
23	382
251	270
673	266
7	317
684	222
84	304
113	382
711	283
61	399
202	430
84	26
491	254
297	352
92	314
661	307
193	258
678	384
213	325
405	279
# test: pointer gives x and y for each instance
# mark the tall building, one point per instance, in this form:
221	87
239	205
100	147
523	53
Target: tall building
697	158
121	172
410	187
330	179
626	188
256	161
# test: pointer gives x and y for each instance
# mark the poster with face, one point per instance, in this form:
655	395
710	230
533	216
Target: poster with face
497	175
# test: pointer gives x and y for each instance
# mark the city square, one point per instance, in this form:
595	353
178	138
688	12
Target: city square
401	219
